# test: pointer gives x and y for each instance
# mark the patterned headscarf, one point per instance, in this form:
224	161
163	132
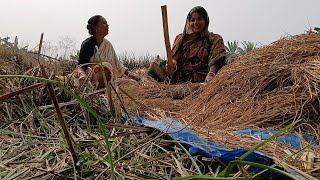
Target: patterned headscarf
202	12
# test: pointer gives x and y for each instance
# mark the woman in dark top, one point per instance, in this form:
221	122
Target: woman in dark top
96	52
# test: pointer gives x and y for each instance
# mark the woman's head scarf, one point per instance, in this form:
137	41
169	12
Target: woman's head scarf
202	12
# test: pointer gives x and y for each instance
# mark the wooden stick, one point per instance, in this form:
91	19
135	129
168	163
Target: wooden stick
121	102
129	133
21	91
39	50
57	108
107	86
109	96
8	111
121	126
166	34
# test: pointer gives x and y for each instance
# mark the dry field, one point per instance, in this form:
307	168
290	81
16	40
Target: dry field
268	88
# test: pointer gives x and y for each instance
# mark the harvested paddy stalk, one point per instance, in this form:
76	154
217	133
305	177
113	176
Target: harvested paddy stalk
271	86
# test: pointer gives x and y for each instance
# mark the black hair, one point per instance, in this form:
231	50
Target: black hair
92	23
202	12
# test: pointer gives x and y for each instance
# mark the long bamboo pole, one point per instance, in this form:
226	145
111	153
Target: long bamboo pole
57	108
166	34
20	91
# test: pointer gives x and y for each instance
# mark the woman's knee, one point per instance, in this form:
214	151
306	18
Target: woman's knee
101	76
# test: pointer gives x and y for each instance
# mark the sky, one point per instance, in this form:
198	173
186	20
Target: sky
135	26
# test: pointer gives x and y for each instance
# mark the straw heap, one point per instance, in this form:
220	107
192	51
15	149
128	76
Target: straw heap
267	88
270	86
151	95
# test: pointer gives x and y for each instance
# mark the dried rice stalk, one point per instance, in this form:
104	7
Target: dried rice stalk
271	86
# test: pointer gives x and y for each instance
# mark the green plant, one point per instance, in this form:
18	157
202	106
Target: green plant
247	46
75	56
232	47
234	50
130	61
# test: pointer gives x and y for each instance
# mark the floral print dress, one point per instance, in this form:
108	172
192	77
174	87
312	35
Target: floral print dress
197	55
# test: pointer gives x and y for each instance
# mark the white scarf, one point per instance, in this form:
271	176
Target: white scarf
106	54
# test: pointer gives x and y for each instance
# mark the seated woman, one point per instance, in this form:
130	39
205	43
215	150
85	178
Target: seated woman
197	53
97	52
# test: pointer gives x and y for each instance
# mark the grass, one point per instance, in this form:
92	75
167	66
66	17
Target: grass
90	159
131	61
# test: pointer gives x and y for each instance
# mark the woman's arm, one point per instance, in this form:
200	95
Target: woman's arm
132	75
118	66
176	54
86	52
216	57
175	63
213	70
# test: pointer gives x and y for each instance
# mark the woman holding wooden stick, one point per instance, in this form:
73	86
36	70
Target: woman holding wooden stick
97	55
197	53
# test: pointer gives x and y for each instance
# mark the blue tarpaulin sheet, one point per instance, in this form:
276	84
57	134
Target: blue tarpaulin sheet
197	146
291	139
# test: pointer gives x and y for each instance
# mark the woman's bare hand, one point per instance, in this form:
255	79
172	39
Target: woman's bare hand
209	77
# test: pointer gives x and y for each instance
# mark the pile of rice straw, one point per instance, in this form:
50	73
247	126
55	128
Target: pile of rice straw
271	86
268	88
149	95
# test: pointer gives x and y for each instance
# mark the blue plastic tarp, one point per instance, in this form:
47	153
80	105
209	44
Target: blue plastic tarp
291	139
202	147
197	146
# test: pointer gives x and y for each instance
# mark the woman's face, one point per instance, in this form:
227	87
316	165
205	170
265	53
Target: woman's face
102	28
197	23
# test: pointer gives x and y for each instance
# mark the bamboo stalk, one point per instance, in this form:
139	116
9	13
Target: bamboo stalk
57	108
128	133
107	86
109	96
120	100
120	126
8	111
166	34
20	91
